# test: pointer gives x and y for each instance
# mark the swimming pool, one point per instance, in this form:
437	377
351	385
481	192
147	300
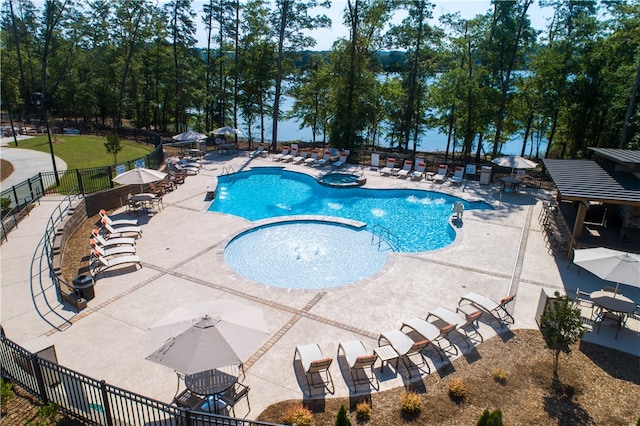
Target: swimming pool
306	254
415	220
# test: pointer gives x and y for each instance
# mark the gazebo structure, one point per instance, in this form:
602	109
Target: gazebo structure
610	181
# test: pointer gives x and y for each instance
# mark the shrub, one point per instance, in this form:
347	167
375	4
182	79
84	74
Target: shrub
457	389
410	402
342	419
46	416
5	205
499	375
299	415
363	411
7	391
490	418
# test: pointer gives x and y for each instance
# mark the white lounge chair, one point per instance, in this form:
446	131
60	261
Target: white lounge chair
300	158
406	168
418	173
326	158
461	323
121	229
186	169
427	331
358	359
311	160
458	174
405	347
341	160
117	222
314	364
98	250
487	305
388	169
278	157
189	163
291	155
104	263
115	241
441	176
258	151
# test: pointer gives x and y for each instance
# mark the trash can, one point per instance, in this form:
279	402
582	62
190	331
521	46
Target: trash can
485	175
83	287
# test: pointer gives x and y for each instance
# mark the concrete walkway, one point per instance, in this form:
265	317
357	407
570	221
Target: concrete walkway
496	252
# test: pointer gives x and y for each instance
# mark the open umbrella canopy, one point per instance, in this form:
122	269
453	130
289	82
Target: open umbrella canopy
226	131
206	335
515	162
611	265
139	176
189	136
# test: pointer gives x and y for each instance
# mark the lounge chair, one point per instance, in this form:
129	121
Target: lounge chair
278	157
189	163
428	331
326	158
461	323
187	169
388	169
116	241
496	310
418	172
104	263
358	359
300	158
311	160
458	174
406	169
441	176
117	222
314	364
341	160
258	151
121	229
405	347
98	250
291	155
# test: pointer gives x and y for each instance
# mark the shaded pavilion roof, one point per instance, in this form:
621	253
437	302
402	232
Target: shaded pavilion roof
626	157
596	180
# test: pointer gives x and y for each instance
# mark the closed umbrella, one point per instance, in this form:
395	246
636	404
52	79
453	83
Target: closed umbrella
611	265
139	176
206	335
515	162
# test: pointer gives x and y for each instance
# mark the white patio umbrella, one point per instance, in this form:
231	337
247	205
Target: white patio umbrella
226	131
139	176
611	265
515	162
189	136
206	335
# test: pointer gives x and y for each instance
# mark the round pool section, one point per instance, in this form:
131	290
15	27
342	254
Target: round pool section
306	255
342	180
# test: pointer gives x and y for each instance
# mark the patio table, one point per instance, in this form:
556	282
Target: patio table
212	383
510	183
613	302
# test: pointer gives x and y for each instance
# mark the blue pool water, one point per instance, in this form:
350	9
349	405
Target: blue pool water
305	255
417	220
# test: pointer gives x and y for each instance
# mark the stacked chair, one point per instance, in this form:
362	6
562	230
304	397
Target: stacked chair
554	228
108	246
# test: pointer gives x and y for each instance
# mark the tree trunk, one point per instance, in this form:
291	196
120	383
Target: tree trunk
23	84
278	90
630	108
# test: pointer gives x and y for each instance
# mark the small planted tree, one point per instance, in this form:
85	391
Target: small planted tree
490	418
113	146
342	419
561	327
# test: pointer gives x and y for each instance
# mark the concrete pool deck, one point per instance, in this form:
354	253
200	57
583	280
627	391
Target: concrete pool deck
496	252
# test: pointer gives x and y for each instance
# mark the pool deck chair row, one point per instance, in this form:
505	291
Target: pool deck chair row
497	310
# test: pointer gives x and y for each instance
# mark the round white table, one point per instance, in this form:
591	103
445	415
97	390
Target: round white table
613	302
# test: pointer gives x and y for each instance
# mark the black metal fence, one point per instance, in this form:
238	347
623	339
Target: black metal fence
96	402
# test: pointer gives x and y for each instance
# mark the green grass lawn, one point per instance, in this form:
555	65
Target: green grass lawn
80	152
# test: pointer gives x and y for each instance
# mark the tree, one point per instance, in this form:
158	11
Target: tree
113	146
561	326
490	418
342	419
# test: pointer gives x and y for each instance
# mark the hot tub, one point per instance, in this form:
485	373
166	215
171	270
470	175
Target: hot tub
342	180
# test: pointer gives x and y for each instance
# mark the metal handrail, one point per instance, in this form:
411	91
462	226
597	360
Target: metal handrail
15	214
384	234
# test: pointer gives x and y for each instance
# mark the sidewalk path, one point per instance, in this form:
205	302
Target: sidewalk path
26	162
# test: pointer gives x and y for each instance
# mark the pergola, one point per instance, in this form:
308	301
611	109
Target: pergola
613	177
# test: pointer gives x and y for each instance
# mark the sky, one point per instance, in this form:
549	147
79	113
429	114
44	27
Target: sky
325	37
